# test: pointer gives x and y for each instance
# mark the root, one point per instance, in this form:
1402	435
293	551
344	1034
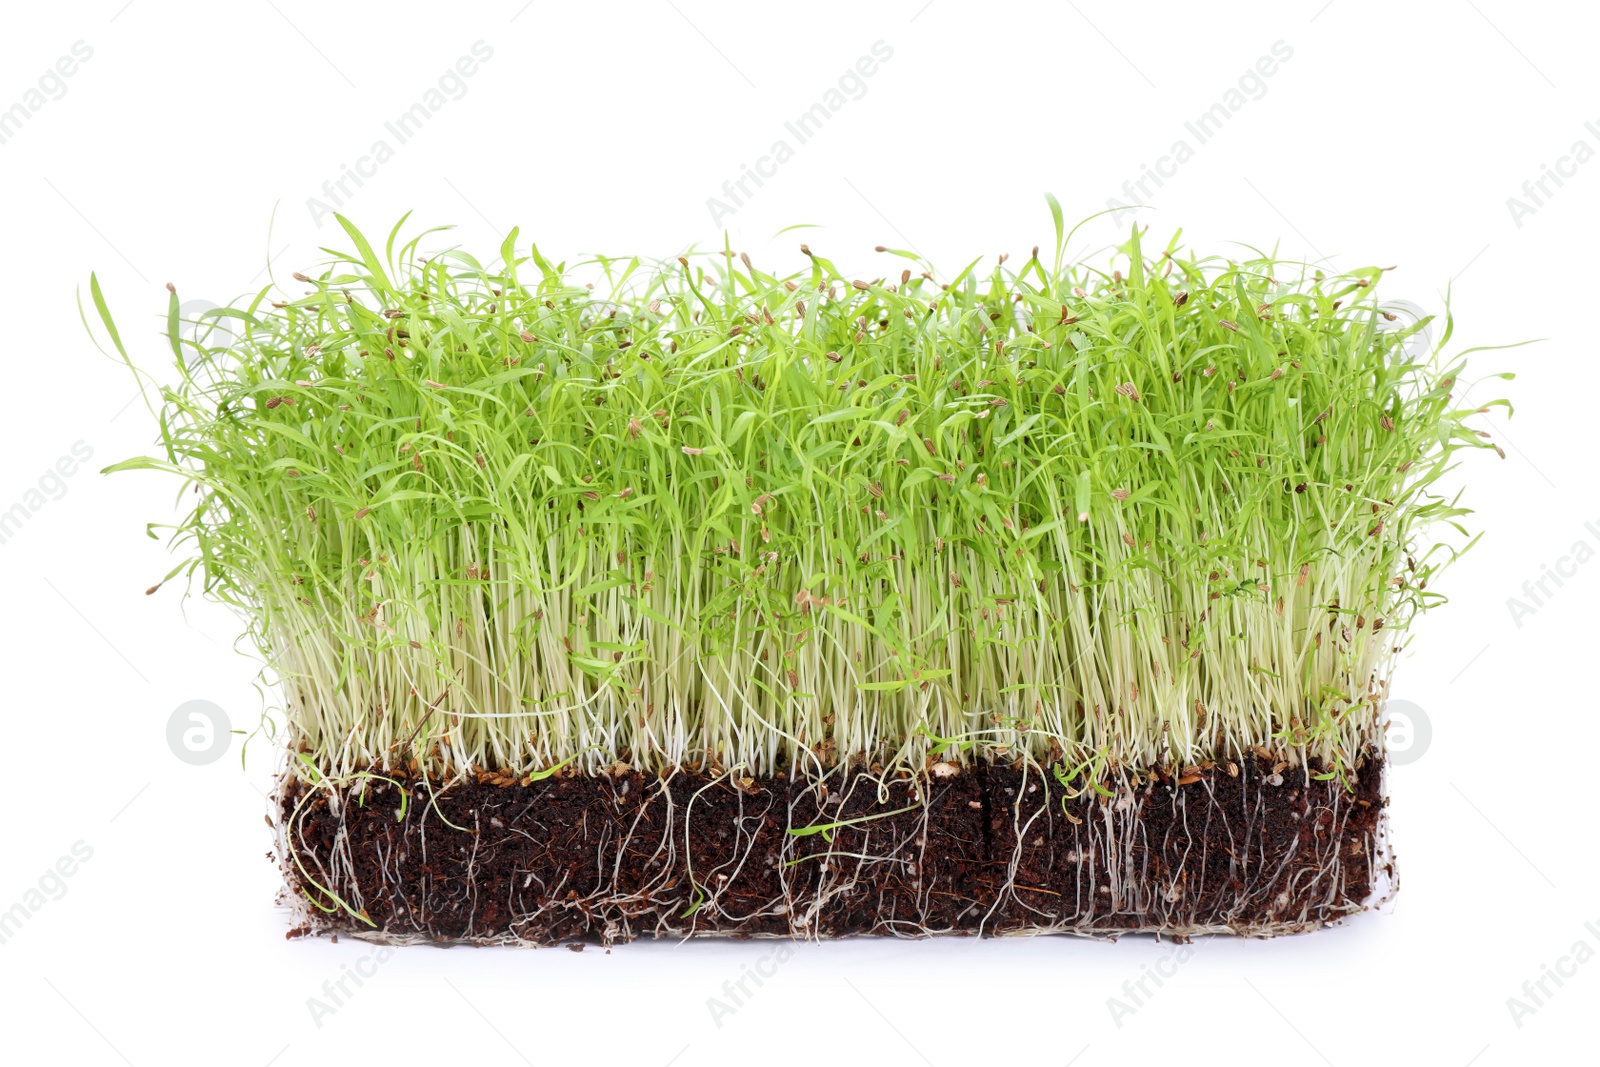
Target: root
992	851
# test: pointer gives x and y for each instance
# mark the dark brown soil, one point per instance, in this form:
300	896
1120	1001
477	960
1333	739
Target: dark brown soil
992	851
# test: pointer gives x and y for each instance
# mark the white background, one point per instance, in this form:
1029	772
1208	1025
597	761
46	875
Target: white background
1393	136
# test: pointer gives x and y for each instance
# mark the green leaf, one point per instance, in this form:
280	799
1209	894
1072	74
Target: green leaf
740	425
368	256
141	463
828	828
1055	217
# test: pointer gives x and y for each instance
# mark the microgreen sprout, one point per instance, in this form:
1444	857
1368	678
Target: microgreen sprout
524	515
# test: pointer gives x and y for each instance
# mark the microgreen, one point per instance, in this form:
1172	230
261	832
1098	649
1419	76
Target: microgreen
827	829
695	513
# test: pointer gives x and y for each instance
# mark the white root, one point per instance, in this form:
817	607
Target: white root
1111	886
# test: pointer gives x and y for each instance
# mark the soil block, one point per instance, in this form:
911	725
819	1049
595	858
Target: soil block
1250	848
